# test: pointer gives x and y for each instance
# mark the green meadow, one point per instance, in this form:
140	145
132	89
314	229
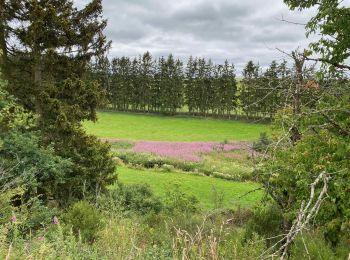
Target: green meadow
164	128
234	194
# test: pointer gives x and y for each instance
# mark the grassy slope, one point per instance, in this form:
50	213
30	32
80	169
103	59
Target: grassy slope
162	128
199	186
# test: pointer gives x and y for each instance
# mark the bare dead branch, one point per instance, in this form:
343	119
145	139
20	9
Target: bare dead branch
335	64
306	212
291	22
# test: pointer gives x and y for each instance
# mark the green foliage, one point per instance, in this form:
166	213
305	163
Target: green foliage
84	219
136	198
93	168
121	145
241	249
324	147
218	198
233	165
164	86
26	162
170	84
124	238
264	93
176	201
313	244
266	221
46	72
332	22
263	143
35	168
35	215
7	208
12	115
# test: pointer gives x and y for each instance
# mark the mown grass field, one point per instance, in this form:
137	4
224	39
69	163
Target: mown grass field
201	187
164	128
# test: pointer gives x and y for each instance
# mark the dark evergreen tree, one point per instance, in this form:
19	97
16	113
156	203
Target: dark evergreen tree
249	86
146	80
269	92
170	84
190	95
227	89
49	45
135	86
154	100
101	71
121	84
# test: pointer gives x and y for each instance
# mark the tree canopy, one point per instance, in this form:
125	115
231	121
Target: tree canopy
332	22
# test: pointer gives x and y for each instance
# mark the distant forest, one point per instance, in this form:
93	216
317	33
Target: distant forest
199	86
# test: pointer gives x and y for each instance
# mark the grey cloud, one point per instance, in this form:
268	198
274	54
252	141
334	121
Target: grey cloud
221	29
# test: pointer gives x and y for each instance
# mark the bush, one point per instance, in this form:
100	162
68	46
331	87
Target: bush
93	167
36	216
137	198
155	161
266	221
84	219
218	198
143	160
121	145
31	166
176	201
312	244
263	143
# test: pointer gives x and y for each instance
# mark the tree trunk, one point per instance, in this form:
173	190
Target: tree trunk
3	49
299	64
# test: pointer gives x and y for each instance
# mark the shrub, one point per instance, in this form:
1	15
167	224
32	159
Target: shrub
138	198
230	170
247	249
121	145
93	167
84	219
176	201
266	221
36	216
218	198
35	168
6	206
168	168
312	244
263	143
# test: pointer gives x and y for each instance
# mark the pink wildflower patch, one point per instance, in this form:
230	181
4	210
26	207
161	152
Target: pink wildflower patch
188	151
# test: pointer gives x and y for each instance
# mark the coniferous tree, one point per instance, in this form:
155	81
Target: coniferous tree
135	85
190	98
177	83
146	80
120	84
154	91
249	86
269	90
49	45
201	97
101	70
165	83
208	88
228	89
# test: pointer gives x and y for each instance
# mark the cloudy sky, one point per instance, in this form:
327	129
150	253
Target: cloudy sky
237	30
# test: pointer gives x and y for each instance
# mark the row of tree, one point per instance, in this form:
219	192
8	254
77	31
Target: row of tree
201	87
164	85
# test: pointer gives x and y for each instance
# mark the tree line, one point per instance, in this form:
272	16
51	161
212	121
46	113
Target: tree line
198	87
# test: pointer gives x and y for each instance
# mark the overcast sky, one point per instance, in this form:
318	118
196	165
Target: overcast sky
237	30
